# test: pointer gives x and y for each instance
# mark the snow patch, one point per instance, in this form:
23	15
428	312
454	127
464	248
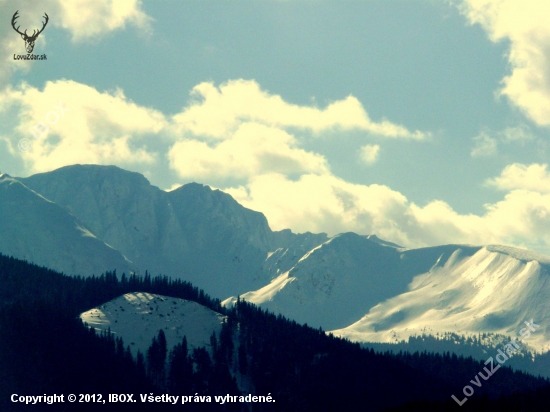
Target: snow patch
264	294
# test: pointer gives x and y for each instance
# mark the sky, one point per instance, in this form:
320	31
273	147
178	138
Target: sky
424	122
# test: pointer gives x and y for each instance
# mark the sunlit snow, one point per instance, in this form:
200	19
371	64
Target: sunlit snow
495	290
137	318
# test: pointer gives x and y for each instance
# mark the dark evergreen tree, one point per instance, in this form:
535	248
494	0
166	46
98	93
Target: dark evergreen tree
156	359
203	367
243	359
181	369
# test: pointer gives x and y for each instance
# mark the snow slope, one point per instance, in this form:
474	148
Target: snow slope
35	229
137	318
494	290
336	283
365	289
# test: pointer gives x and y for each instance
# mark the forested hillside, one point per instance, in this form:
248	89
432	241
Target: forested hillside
45	349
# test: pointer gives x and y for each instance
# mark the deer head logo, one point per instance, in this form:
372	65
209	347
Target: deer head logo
29	40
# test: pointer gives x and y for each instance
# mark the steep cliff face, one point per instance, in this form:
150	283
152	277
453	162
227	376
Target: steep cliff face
217	236
40	231
193	232
120	207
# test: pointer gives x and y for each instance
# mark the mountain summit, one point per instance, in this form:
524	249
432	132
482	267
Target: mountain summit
193	232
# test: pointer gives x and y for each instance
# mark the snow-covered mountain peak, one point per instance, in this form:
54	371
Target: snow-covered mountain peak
449	288
137	318
489	291
332	283
193	231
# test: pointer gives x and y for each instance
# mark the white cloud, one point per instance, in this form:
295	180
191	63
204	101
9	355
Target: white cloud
75	123
521	218
486	143
251	150
216	112
484	146
326	203
534	177
525	24
106	127
237	131
369	153
86	19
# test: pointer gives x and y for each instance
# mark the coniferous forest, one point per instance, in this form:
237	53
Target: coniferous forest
45	349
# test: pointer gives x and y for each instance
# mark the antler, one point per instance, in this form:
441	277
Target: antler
34	33
43	26
15	16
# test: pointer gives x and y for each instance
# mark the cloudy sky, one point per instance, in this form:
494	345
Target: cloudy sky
422	121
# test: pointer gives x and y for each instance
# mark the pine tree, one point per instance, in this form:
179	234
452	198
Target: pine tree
181	369
156	359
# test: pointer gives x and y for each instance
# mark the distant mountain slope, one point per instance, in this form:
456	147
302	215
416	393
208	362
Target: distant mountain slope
334	283
40	231
194	232
137	318
479	347
452	288
494	290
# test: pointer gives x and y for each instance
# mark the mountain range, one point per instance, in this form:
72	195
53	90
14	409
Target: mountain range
206	352
193	232
87	219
